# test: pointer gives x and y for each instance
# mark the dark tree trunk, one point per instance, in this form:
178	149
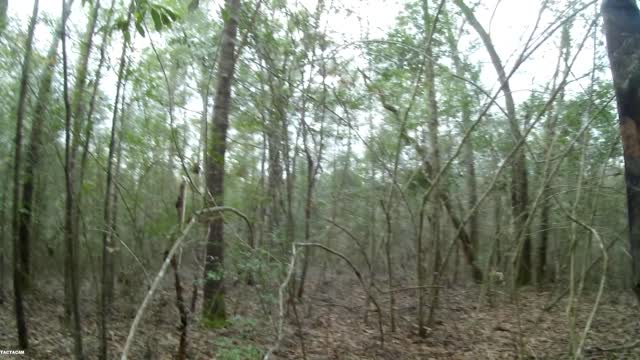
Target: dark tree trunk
27	227
70	255
18	266
213	297
622	30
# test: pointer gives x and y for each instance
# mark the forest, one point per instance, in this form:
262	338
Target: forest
319	179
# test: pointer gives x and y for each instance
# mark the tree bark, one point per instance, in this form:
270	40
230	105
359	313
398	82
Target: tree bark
71	255
18	266
312	165
213	296
27	227
434	145
622	31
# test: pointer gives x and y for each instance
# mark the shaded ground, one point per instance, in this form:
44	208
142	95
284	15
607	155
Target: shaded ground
333	327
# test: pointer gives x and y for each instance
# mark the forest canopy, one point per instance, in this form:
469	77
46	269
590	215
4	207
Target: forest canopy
307	179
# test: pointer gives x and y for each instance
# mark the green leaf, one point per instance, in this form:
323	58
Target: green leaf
166	20
171	14
140	28
157	21
121	24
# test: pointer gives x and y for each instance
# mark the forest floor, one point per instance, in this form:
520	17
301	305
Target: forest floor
333	327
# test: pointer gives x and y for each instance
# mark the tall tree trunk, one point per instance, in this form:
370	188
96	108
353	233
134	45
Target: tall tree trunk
549	140
274	181
107	237
214	306
18	266
70	255
434	149
312	165
519	181
465	99
88	129
33	153
112	227
622	30
387	242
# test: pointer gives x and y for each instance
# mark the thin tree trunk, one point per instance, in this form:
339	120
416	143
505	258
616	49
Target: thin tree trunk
549	141
78	113
112	227
465	101
71	255
519	184
18	267
88	130
214	306
107	238
312	167
33	153
432	124
392	297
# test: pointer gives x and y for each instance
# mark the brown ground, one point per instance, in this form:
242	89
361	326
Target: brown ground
333	327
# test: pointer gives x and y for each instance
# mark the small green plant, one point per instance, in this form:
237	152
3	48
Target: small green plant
228	349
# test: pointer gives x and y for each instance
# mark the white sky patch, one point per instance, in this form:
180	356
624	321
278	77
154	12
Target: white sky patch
509	23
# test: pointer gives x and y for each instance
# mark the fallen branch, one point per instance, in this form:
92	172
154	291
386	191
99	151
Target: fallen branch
199	216
153	288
